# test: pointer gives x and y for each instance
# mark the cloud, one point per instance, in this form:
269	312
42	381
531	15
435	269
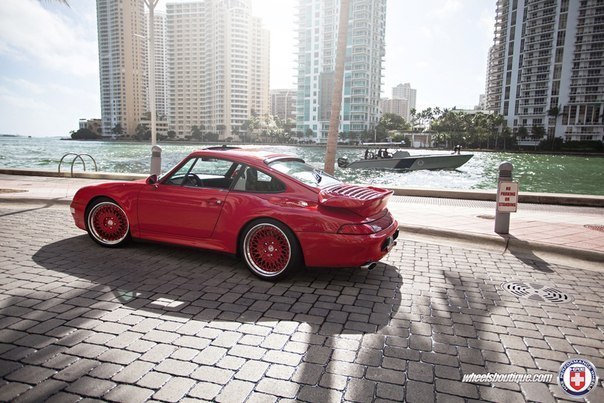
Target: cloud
29	32
449	8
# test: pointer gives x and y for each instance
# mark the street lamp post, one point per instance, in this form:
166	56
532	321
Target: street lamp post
155	149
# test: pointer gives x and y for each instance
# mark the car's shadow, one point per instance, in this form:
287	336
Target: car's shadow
323	324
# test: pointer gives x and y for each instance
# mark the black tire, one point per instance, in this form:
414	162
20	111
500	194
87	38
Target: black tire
107	223
269	249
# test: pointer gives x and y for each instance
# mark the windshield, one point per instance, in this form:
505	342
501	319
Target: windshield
304	173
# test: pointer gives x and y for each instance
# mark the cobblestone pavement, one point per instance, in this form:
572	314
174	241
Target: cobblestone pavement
154	322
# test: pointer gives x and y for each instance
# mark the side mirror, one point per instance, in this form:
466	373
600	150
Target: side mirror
151	180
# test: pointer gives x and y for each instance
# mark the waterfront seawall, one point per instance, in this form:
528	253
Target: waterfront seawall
483	195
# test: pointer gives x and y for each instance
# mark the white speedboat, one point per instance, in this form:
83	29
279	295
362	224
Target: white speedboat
403	161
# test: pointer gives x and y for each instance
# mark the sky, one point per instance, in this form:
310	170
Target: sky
49	76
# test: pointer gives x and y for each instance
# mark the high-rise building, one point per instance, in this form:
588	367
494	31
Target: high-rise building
398	106
404	91
283	104
546	67
161	72
318	22
218	63
122	64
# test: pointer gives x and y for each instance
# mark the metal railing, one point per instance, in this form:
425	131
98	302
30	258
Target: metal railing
77	157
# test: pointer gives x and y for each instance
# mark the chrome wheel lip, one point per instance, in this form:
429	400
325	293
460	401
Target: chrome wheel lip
248	254
99	237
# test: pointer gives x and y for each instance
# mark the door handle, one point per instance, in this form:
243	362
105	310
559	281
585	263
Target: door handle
216	202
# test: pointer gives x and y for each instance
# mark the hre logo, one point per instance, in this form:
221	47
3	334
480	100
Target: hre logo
577	377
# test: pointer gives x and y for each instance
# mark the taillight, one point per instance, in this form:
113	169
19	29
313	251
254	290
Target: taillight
367	228
359	229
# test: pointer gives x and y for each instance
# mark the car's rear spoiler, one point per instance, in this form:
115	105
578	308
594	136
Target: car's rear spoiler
366	201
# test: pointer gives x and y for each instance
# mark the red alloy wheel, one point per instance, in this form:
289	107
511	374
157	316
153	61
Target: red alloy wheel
267	250
108	223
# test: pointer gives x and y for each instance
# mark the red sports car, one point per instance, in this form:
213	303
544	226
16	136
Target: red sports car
273	210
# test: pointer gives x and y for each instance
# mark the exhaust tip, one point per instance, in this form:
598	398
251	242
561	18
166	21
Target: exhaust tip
369	265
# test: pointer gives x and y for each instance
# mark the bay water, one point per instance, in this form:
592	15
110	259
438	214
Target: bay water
534	172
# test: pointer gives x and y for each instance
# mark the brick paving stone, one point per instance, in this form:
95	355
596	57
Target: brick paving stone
278	388
390	392
36	341
158	353
92	387
521	358
86	350
360	390
498	395
420	372
466	390
211	374
11	390
106	370
253	353
153	380
319	394
235	391
30	374
252	371
309	374
418	392
118	356
76	370
133	372
537	392
176	367
42	391
280	371
128	393
174	390
385	375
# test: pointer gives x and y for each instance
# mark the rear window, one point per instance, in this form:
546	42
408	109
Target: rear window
304	173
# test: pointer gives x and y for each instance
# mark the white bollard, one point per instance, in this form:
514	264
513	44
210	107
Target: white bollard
502	219
155	160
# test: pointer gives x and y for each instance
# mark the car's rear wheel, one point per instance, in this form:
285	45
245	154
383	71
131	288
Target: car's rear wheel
270	249
107	223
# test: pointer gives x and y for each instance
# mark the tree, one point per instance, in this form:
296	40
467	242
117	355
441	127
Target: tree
196	133
336	103
171	134
537	132
142	132
84	134
117	129
309	133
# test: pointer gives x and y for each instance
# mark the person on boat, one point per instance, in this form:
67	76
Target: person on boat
457	149
366	153
385	154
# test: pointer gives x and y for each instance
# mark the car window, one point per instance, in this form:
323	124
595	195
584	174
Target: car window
304	173
205	173
253	180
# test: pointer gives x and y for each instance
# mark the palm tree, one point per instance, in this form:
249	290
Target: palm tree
336	105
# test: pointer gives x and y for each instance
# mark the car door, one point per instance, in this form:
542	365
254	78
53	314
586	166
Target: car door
189	202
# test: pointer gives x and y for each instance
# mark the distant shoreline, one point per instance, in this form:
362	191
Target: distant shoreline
345	146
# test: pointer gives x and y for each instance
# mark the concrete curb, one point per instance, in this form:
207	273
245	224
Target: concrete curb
81	175
504	243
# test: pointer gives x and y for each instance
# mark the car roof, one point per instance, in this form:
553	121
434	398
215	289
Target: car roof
252	156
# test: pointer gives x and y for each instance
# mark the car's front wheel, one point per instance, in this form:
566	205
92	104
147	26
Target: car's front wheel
270	249
107	223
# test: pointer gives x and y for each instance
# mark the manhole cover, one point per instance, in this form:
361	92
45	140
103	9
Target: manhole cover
537	292
486	217
595	227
